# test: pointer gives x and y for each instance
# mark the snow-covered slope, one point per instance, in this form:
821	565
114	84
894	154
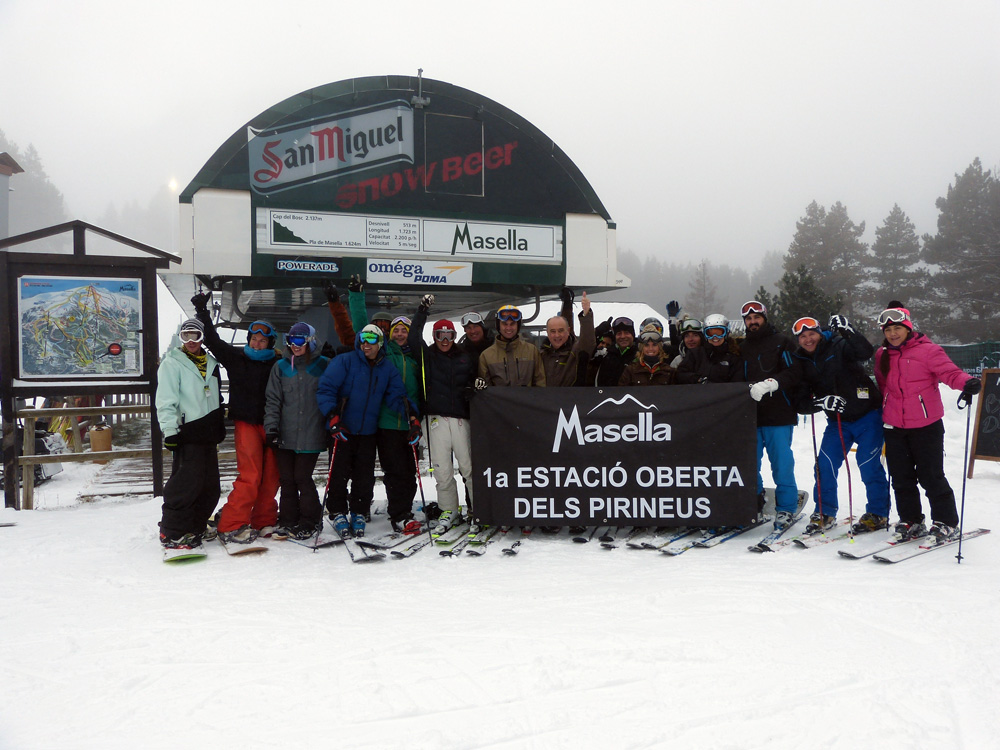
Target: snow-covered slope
568	646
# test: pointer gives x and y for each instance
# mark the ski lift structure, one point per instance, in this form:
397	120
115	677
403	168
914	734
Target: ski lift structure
413	185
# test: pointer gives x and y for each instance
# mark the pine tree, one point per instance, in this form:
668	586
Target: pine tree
966	251
702	297
894	270
798	296
35	203
828	245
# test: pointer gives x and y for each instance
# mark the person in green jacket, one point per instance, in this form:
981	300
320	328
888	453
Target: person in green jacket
189	412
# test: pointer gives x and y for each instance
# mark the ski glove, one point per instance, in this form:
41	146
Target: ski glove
425	303
330	289
271	440
760	389
673	307
354	285
172	442
200	301
481	384
841	323
830	403
971	388
335	429
413	436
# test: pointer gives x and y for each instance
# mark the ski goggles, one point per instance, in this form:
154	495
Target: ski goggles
714	336
893	315
191	334
622	323
753	306
400	319
690	326
509	314
261	327
444	334
472	319
297	340
805	324
650	337
367	337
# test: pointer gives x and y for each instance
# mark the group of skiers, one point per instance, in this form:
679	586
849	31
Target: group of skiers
377	399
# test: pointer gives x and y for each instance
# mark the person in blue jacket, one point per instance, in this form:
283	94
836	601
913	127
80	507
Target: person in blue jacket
350	395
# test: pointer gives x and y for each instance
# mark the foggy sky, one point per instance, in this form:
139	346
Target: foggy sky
705	127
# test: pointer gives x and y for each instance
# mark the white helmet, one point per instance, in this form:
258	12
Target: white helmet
715	320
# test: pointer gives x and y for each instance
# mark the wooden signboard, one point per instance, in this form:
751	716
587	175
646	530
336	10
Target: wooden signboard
986	434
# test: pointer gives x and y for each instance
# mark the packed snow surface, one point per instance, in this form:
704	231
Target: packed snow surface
562	646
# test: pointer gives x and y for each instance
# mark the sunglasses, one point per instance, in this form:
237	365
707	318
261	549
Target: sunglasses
805	324
191	334
367	337
444	334
510	316
892	315
753	306
472	318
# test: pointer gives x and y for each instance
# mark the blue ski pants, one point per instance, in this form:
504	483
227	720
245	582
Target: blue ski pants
866	433
777	441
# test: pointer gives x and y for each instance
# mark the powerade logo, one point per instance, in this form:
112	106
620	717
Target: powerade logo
307	266
642	430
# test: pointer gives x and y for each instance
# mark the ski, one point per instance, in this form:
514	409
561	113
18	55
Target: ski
512	549
183	555
770	542
869	547
731	532
928	544
584	537
662	541
456	549
607	533
689	540
357	553
388	541
485	539
452	535
618	538
639	535
415	546
316	541
839	533
236	550
9	523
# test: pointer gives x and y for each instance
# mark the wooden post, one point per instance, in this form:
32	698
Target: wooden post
28	471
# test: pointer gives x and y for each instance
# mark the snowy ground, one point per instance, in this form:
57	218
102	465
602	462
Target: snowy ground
564	646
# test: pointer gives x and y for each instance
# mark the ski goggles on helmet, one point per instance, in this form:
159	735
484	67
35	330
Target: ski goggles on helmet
715	336
298	340
471	319
805	324
262	327
622	324
509	314
753	306
400	319
191	334
444	334
894	315
368	337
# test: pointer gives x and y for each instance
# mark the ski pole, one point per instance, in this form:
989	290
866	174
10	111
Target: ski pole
819	488
420	484
965	473
847	465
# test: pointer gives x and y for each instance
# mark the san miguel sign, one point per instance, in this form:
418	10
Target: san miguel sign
356	140
661	456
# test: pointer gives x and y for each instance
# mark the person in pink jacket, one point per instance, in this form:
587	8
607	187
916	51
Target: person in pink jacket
908	368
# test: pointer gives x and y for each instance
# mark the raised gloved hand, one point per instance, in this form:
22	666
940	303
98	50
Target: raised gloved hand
760	389
335	429
971	388
201	300
271	440
481	384
413	436
600	352
673	307
425	303
330	290
354	285
172	442
830	403
841	324
567	295
702	380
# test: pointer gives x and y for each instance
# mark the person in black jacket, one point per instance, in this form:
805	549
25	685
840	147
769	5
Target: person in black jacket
251	507
717	360
612	363
768	367
447	373
835	382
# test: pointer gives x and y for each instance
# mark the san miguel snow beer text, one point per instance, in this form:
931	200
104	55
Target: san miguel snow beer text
666	456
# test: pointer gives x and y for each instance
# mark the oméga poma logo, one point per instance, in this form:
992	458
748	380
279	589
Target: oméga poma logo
641	430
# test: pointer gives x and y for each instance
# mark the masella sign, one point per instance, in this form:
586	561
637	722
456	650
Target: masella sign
665	456
401	172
